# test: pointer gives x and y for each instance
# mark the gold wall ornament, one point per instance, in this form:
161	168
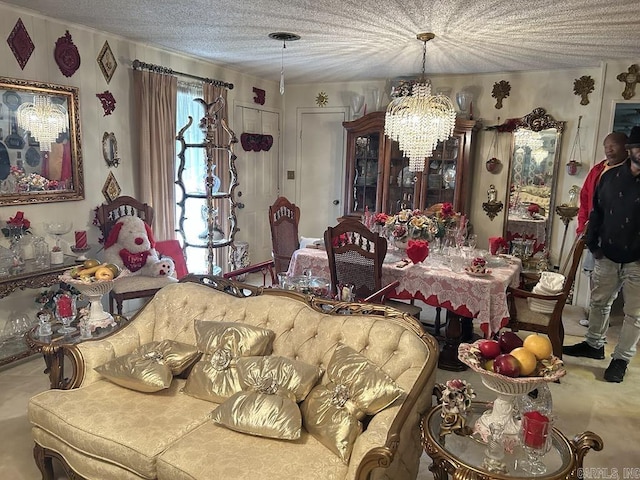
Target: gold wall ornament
630	79
583	86
500	91
322	99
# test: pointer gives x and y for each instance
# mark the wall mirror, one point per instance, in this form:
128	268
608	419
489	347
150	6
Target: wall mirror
110	149
40	149
626	115
533	173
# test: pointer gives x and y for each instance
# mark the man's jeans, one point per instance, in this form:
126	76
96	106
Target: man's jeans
607	279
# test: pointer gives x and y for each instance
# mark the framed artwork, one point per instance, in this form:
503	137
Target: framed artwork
624	116
111	190
107	62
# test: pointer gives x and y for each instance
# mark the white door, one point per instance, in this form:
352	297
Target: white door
321	157
258	180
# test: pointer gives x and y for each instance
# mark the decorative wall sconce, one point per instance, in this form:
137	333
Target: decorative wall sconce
582	87
500	91
492	207
629	78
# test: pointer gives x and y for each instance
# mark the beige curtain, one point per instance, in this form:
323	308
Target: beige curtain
211	93
155	99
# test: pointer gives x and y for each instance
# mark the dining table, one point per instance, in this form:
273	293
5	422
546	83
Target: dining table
440	281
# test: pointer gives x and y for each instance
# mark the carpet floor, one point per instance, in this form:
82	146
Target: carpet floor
582	401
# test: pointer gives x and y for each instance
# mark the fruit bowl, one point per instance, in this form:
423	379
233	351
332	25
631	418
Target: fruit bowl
507	389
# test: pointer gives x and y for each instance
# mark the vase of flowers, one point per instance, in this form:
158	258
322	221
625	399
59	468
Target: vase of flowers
16	227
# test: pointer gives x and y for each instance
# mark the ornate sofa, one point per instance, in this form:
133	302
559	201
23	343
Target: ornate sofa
99	430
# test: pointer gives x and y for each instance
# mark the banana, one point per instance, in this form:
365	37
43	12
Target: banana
90	271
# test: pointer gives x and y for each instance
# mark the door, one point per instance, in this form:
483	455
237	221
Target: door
258	179
321	160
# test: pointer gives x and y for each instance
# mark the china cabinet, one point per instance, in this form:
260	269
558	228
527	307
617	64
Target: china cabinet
378	175
203	199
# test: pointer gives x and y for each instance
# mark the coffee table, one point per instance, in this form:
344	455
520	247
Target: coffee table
462	456
51	348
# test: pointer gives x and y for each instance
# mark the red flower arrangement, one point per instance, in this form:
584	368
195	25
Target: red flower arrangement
17	226
533	209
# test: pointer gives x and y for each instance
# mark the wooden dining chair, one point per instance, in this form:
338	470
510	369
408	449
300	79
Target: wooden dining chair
137	286
284	218
356	255
522	317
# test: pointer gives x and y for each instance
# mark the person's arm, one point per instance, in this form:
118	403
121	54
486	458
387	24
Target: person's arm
595	222
586	200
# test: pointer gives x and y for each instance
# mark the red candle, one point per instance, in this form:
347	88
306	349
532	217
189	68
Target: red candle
494	244
64	306
81	239
536	429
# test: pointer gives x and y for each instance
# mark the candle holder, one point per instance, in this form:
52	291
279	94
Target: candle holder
492	207
80	253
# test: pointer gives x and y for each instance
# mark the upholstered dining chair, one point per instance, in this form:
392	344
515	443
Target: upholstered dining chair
522	317
137	286
284	218
355	256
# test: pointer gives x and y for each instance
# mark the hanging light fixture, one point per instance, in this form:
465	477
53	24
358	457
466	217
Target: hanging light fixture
284	37
43	119
419	120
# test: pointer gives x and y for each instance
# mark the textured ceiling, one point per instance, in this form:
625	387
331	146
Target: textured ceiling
346	40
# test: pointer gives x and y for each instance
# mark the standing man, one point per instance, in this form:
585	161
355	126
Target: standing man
613	237
615	152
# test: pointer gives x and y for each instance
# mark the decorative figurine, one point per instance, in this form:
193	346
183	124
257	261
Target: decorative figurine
44	319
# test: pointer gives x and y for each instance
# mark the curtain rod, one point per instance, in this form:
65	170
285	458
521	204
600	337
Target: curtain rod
137	65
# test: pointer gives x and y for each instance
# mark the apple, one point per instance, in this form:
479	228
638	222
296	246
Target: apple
507	365
489	348
508	341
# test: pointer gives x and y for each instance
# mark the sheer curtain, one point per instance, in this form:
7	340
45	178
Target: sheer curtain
193	177
155	100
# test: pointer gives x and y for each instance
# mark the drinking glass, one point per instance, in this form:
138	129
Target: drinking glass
472	240
535	434
66	325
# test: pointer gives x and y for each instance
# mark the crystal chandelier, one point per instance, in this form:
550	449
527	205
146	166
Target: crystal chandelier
419	120
284	37
43	119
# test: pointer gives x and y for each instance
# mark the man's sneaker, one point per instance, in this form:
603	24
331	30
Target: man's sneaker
616	370
584	322
583	349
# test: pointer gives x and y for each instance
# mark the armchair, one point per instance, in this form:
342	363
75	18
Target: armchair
523	318
138	286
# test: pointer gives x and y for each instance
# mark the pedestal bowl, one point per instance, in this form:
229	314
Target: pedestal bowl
507	390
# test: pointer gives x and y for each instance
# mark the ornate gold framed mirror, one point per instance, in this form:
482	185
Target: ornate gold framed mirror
533	174
40	148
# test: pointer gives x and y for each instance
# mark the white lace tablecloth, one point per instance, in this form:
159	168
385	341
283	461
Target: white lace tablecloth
434	283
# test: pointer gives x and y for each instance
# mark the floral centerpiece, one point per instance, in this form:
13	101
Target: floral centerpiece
410	225
16	226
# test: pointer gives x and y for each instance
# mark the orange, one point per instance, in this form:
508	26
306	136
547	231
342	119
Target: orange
539	345
527	359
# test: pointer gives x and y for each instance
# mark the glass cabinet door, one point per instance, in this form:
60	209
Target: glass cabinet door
365	175
441	173
402	183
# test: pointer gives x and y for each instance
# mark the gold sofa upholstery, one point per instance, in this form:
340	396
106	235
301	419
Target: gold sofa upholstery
103	431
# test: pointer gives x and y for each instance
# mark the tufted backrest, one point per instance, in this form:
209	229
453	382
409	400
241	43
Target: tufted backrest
301	332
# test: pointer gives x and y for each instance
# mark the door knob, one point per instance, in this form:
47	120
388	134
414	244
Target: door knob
240	205
336	202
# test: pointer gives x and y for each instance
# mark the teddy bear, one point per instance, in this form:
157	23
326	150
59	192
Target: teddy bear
131	246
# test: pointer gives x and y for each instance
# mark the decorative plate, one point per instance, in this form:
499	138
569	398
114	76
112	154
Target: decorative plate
486	273
66	55
33	157
11	99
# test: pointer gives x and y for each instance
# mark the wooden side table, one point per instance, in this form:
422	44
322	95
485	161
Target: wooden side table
51	347
462	456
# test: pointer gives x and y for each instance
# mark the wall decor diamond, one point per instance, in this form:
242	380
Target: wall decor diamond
20	43
107	61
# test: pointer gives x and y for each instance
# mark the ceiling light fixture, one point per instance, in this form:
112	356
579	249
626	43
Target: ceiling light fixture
284	37
419	120
43	119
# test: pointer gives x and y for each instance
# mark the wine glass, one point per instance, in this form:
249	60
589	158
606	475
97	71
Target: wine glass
357	102
58	229
472	240
536	431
